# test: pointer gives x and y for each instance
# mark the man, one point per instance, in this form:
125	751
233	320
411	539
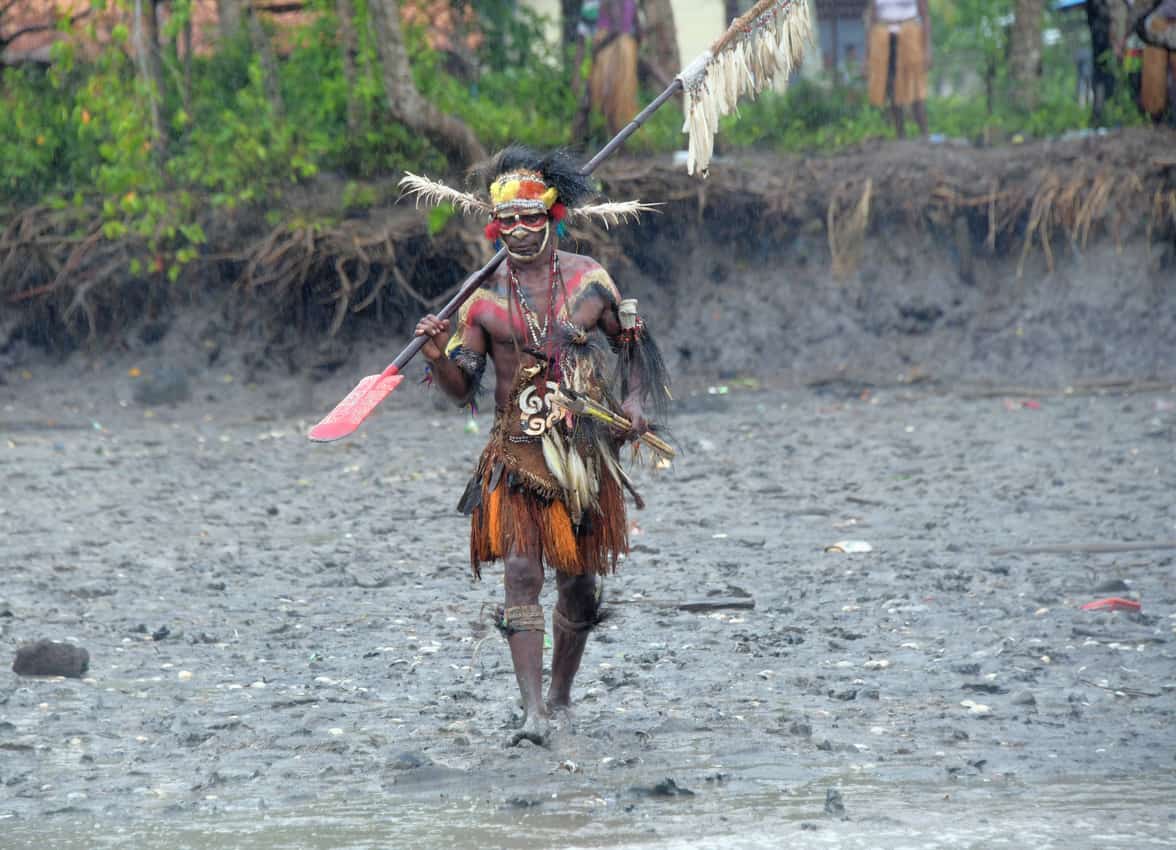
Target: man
898	57
613	83
548	488
1154	21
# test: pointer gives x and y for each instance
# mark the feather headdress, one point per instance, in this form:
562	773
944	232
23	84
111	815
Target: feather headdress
519	179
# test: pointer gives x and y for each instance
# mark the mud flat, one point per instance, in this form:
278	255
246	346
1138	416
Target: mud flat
287	649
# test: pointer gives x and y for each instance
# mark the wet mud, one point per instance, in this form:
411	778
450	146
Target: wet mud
287	649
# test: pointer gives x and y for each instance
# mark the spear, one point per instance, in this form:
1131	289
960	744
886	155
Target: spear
768	40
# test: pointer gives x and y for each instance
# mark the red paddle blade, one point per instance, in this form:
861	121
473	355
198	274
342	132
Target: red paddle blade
351	411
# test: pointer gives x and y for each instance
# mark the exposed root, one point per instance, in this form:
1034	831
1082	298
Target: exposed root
317	276
56	266
846	228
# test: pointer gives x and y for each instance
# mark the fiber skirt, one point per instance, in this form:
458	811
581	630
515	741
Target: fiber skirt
910	67
512	513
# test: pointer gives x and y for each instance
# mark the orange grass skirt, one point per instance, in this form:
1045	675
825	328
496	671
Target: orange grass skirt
613	84
517	520
1153	85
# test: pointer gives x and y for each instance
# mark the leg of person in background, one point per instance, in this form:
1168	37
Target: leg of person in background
1172	88
892	87
919	108
880	72
910	87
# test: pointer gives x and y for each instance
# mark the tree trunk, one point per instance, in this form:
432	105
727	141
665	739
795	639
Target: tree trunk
187	36
228	15
259	40
1025	52
661	37
450	135
151	67
570	19
1102	72
348	47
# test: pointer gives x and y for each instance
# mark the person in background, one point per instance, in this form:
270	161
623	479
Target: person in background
898	57
1154	21
613	84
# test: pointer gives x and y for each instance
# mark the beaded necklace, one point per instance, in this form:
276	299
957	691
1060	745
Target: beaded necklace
538	333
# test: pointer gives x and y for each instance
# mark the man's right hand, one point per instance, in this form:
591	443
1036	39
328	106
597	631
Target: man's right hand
436	334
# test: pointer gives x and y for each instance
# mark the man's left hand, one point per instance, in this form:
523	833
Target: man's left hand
636	416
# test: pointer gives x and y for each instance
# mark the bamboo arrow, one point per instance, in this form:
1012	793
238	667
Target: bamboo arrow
768	40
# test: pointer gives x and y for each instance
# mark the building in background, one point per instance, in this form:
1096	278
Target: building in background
841	34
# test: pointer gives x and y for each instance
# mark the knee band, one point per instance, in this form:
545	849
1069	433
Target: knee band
558	619
522	618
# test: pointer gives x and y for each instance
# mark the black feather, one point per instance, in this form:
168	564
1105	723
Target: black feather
558	167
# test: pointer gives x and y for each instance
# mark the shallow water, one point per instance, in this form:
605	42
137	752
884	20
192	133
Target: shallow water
1136	813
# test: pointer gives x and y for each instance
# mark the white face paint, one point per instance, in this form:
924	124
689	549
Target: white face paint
524	240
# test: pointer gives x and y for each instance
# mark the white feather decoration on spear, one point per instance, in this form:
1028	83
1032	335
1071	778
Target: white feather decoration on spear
768	40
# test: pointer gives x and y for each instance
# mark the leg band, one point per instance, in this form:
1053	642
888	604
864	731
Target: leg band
523	618
558	619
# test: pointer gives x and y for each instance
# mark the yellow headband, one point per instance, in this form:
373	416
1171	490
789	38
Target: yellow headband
522	190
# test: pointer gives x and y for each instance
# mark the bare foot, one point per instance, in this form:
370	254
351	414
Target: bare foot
563	720
536	729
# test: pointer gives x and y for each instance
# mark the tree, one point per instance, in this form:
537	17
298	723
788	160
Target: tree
19	18
260	42
662	39
151	66
1098	18
570	19
1025	51
348	47
450	135
228	15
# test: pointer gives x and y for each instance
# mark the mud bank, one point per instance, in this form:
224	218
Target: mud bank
1054	259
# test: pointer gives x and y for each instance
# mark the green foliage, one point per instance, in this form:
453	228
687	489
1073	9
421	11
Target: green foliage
439	216
529	100
82	135
35	134
808	116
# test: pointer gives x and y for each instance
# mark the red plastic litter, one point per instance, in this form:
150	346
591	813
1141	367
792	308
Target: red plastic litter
1113	603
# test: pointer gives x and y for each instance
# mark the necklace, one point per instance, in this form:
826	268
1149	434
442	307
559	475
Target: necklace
537	332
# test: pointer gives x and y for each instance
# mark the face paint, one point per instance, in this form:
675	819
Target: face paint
546	228
531	222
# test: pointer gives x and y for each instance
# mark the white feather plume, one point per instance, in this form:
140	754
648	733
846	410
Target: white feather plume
612	213
435	193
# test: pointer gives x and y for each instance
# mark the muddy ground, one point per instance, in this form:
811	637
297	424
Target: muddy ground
287	648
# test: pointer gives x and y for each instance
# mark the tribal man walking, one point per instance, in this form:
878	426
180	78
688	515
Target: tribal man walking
548	489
